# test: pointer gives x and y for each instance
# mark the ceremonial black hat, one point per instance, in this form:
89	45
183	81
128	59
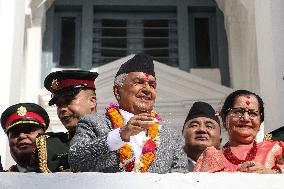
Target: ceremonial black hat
202	109
24	113
68	82
139	63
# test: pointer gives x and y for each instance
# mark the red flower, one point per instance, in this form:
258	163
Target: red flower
129	166
149	146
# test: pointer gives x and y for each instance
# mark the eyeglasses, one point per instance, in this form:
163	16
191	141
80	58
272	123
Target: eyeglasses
240	112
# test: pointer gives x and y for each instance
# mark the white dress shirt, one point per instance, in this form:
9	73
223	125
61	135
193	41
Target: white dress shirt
115	142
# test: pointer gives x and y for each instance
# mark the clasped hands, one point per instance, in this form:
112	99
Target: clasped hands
136	124
254	167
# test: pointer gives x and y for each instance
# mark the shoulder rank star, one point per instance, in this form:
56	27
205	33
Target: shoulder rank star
54	84
21	111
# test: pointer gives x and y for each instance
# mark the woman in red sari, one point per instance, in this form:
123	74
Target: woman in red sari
242	114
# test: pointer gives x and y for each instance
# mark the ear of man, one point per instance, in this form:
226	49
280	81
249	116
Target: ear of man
92	99
116	92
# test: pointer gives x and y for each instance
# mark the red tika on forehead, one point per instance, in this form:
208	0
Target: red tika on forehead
147	75
248	102
248	97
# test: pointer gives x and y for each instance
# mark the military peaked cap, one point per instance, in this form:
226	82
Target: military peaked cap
24	113
68	82
139	63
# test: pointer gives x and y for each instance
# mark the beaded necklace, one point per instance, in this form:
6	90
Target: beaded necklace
236	161
127	161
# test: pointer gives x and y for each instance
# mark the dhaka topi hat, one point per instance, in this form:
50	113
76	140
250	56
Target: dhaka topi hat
202	109
139	63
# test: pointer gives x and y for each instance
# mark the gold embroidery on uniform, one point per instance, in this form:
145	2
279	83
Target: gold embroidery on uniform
22	122
267	137
42	153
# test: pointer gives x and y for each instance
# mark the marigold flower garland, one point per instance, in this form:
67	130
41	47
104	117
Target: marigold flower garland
127	161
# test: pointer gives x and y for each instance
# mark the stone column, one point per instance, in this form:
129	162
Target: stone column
269	16
12	21
33	52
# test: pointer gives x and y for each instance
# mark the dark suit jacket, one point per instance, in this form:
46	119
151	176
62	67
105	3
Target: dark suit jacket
89	150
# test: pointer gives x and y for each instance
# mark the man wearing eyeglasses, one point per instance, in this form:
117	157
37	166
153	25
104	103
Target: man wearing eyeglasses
73	93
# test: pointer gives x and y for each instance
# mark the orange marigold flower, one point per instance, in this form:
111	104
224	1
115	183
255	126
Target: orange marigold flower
153	130
115	117
147	160
125	152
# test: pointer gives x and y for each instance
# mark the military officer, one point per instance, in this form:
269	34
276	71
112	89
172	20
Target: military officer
73	92
22	123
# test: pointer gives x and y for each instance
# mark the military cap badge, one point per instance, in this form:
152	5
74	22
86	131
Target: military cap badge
54	85
21	111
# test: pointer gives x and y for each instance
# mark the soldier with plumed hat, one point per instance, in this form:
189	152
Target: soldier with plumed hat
130	136
201	130
22	123
74	94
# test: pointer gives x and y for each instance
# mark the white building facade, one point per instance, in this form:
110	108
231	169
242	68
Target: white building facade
244	43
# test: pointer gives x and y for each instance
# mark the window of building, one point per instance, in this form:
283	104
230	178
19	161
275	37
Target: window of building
120	33
187	34
202	29
67	36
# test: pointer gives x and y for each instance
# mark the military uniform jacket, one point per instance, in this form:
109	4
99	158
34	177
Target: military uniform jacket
89	150
277	134
51	153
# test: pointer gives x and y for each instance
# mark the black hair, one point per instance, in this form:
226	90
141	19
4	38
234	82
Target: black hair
231	98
